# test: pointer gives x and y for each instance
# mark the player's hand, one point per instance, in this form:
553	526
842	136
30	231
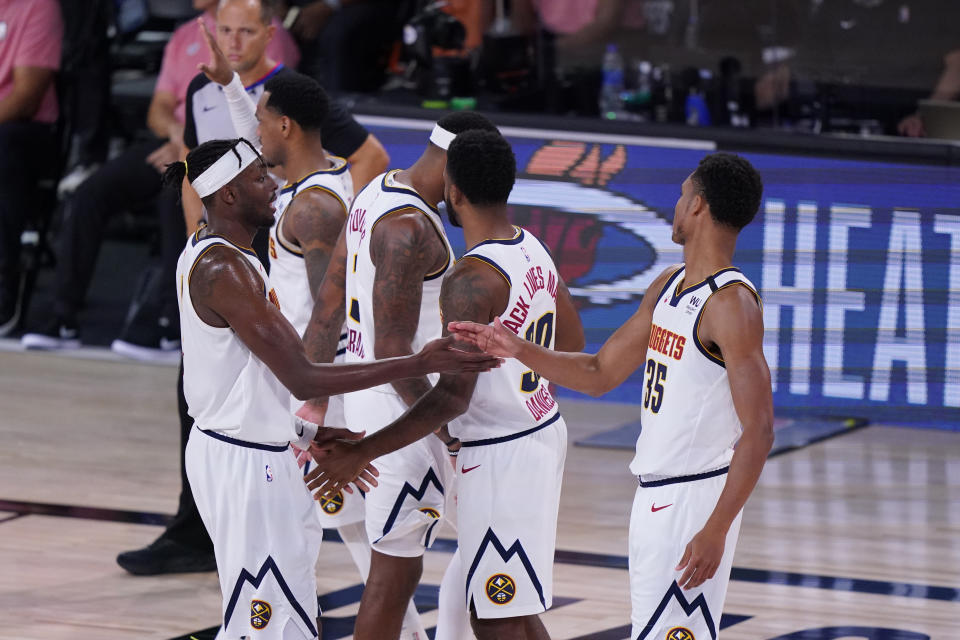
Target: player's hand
219	69
912	126
701	558
444	355
340	462
302	455
494	339
165	154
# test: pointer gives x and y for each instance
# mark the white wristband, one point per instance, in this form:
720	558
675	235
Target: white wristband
307	431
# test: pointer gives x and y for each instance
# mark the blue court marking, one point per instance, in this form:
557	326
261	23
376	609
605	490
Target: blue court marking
580	558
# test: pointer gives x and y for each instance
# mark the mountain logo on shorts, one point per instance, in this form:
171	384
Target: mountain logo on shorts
260	613
332	505
433	513
680	633
501	588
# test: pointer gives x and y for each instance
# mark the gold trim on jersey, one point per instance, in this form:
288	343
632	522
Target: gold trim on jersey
696	325
440	234
485	260
339	164
285	242
679	293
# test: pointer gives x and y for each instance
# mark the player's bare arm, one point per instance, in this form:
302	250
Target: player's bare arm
732	327
596	374
405	247
569	327
471	292
313	222
227	291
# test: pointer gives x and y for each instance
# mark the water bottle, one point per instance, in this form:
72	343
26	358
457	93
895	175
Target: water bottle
611	100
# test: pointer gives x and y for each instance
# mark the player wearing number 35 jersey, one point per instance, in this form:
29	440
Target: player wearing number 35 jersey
697	338
513	438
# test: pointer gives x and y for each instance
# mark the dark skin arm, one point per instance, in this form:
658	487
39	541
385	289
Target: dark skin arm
569	326
732	326
471	292
226	291
596	374
313	222
405	247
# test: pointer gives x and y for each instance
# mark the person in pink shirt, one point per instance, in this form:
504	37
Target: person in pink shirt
30	36
131	181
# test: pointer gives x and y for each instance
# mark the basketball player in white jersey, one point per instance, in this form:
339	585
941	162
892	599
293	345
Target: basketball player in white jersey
242	359
513	439
698	338
311	210
385	277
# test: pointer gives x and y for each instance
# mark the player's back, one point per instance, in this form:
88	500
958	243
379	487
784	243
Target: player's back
288	272
512	399
227	388
689	423
381	198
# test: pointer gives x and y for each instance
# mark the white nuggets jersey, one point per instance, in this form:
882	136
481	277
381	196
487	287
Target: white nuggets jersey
512	399
689	424
228	389
383	197
287	271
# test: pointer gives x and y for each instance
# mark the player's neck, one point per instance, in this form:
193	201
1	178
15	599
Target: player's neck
233	230
705	256
304	159
486	225
257	71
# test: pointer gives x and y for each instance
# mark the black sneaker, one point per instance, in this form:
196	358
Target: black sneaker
166	556
149	341
58	334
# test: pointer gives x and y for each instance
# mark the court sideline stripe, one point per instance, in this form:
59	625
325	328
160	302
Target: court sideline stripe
577	558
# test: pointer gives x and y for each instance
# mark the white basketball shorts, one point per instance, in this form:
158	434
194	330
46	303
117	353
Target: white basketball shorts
507	503
265	533
403	511
664	519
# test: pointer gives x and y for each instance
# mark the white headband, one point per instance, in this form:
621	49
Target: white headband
225	169
441	137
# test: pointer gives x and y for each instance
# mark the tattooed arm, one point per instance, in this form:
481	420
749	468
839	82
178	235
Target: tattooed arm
313	222
473	292
405	247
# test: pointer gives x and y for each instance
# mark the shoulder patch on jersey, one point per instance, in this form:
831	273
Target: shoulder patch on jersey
680	633
501	588
260	612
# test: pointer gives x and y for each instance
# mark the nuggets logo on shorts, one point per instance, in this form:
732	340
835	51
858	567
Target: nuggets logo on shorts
260	612
273	249
433	513
680	633
501	589
274	299
332	505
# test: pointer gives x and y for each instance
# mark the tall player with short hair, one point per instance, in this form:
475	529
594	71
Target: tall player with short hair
241	361
698	338
513	439
386	277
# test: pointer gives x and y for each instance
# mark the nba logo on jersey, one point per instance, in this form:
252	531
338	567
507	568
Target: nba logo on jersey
260	613
525	254
269	474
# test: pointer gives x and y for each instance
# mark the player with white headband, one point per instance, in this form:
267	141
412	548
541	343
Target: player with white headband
242	359
384	277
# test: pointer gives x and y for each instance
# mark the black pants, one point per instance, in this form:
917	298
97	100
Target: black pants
126	182
187	526
28	154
